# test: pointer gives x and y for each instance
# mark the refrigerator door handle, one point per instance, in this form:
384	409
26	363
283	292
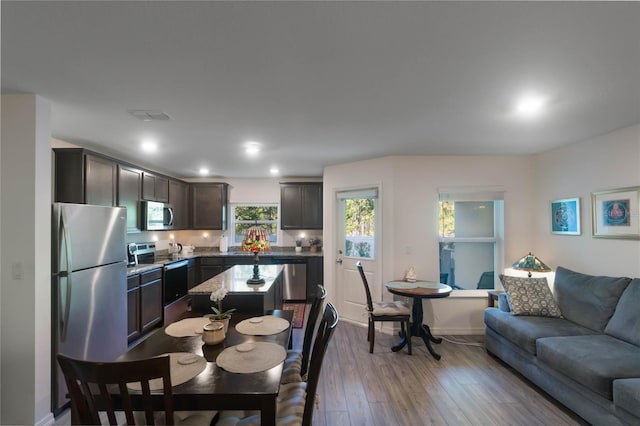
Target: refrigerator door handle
65	302
64	305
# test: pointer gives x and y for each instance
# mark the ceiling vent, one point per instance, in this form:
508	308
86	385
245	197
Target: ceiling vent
149	115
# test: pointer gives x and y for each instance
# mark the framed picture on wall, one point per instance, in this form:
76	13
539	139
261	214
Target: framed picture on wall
565	216
615	213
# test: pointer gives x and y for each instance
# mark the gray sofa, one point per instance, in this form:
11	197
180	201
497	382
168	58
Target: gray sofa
589	358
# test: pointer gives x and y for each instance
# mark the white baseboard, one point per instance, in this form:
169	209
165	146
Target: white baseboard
47	420
436	331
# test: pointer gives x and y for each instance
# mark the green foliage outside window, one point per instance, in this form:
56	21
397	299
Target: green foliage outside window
359	222
247	216
446	222
359	215
259	213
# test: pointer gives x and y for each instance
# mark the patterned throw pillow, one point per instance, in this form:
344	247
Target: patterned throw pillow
530	296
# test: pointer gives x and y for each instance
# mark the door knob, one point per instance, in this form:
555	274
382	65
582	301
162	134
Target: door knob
339	260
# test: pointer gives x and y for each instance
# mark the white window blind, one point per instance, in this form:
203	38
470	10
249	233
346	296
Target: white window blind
358	194
479	193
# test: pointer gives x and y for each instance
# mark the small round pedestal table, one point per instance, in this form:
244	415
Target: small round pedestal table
419	290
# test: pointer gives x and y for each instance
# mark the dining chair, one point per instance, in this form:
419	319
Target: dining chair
486	281
395	311
297	361
93	386
296	401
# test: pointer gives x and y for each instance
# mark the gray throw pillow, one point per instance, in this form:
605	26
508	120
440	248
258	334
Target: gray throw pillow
530	296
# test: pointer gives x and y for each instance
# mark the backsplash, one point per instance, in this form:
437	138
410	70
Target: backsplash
204	239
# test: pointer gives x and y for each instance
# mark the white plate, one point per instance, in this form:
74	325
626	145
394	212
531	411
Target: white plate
245	347
188	359
256	320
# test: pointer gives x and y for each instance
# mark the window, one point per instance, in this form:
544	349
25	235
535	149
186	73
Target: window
359	222
471	229
243	216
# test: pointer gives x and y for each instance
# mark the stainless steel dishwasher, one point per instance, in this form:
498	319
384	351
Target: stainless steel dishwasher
294	283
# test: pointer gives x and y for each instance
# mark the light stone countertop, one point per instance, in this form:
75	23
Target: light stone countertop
138	269
235	280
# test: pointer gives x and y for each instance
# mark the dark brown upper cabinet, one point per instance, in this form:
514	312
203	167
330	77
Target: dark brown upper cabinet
129	195
179	199
84	178
155	188
209	206
301	205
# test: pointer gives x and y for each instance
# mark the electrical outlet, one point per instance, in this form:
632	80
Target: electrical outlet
16	271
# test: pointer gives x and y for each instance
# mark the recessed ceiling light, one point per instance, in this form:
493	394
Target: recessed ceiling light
252	148
203	171
530	106
149	146
274	171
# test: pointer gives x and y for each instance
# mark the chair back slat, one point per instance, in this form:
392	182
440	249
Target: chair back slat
93	385
323	336
312	320
366	286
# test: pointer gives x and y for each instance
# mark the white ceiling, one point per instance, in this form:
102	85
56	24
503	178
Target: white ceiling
322	83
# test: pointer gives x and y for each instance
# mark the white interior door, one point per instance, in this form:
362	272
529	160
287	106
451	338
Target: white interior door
357	239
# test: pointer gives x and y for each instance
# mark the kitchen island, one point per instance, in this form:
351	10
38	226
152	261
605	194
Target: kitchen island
246	298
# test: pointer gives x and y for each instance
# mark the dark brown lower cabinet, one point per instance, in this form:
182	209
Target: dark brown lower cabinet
150	299
209	267
315	275
144	302
133	307
191	274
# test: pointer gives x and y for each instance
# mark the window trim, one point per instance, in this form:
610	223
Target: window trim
232	221
495	196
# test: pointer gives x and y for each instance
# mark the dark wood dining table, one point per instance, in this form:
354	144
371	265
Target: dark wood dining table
419	290
214	388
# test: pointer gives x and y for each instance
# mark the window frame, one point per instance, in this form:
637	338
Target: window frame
498	238
232	221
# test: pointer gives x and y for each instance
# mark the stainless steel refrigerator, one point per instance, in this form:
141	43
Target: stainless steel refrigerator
89	294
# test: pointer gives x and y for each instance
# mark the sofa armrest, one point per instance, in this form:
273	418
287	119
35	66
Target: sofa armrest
503	302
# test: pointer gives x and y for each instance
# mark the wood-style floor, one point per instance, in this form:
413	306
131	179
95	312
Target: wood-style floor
466	387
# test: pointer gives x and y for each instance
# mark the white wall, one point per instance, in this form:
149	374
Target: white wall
607	162
409	208
26	261
409	220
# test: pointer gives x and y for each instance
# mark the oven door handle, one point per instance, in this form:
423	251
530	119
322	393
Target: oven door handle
176	265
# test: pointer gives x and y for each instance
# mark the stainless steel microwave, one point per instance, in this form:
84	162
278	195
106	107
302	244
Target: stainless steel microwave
156	216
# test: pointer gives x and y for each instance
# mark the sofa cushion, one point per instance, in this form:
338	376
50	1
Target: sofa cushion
530	296
625	322
593	361
523	331
586	299
626	395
